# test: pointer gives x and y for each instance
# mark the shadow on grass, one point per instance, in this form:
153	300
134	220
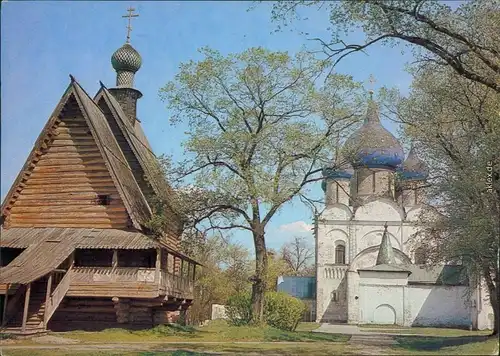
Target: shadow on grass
434	343
176	353
278	335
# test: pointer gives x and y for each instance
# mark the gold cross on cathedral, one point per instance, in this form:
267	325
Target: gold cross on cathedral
129	27
371	79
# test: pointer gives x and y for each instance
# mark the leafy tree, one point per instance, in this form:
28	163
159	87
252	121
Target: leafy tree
298	255
226	270
465	37
455	125
277	266
259	132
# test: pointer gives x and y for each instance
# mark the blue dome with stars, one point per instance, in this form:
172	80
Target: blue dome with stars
372	145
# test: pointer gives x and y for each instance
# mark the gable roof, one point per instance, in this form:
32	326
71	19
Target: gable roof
141	148
120	171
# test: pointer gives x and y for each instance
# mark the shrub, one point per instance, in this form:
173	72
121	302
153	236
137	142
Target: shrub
239	309
283	311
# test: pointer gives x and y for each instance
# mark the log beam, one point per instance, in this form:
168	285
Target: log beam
26	306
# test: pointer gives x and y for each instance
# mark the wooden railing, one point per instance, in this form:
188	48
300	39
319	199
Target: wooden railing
176	283
113	274
57	296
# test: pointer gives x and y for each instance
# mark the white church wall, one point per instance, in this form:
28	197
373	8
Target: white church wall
368	258
483	308
372	236
381	304
337	212
436	305
379	210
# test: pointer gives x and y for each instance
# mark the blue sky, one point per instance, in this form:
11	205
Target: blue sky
43	42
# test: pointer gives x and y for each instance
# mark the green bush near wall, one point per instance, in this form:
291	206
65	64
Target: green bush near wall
281	311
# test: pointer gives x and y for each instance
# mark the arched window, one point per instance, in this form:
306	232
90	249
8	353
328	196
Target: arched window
420	258
340	254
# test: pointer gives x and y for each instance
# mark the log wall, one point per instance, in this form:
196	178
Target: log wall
103	313
69	174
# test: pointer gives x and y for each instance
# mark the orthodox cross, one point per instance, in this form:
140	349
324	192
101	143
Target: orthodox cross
371	79
129	27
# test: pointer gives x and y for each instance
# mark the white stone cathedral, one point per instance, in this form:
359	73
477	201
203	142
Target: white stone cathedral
368	268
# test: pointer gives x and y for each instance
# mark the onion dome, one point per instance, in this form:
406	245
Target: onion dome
126	58
372	145
126	61
413	167
340	170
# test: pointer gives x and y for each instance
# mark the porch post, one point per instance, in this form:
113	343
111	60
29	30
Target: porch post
47	297
5	301
26	305
158	265
194	271
114	261
72	259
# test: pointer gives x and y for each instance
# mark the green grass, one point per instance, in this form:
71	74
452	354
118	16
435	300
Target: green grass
218	336
307	326
462	345
427	331
216	331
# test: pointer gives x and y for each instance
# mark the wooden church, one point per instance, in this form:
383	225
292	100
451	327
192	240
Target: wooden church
75	250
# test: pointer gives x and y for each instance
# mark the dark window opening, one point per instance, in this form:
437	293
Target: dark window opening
103	199
93	258
420	258
137	258
340	255
8	254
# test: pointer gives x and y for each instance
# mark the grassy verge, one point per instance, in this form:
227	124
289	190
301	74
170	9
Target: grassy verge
462	345
428	331
217	331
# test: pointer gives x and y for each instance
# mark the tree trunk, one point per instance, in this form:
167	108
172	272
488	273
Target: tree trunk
494	294
259	280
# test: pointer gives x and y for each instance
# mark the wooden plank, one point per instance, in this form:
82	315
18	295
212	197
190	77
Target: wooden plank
75	137
68	161
64	208
69	168
49	189
69	154
115	202
70	180
75	220
65	196
61	143
68	215
70	174
113	225
64	149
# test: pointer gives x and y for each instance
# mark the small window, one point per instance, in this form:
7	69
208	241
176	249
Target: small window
335	296
103	199
420	257
340	255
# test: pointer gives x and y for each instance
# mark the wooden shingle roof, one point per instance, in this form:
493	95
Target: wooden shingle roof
141	148
121	173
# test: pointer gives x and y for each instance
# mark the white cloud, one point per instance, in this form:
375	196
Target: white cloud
297	226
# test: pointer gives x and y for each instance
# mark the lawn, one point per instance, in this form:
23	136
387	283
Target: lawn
384	329
216	331
219	337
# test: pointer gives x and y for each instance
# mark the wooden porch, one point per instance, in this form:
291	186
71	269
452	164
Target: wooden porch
28	308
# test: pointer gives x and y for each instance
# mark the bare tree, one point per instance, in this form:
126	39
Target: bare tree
297	254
